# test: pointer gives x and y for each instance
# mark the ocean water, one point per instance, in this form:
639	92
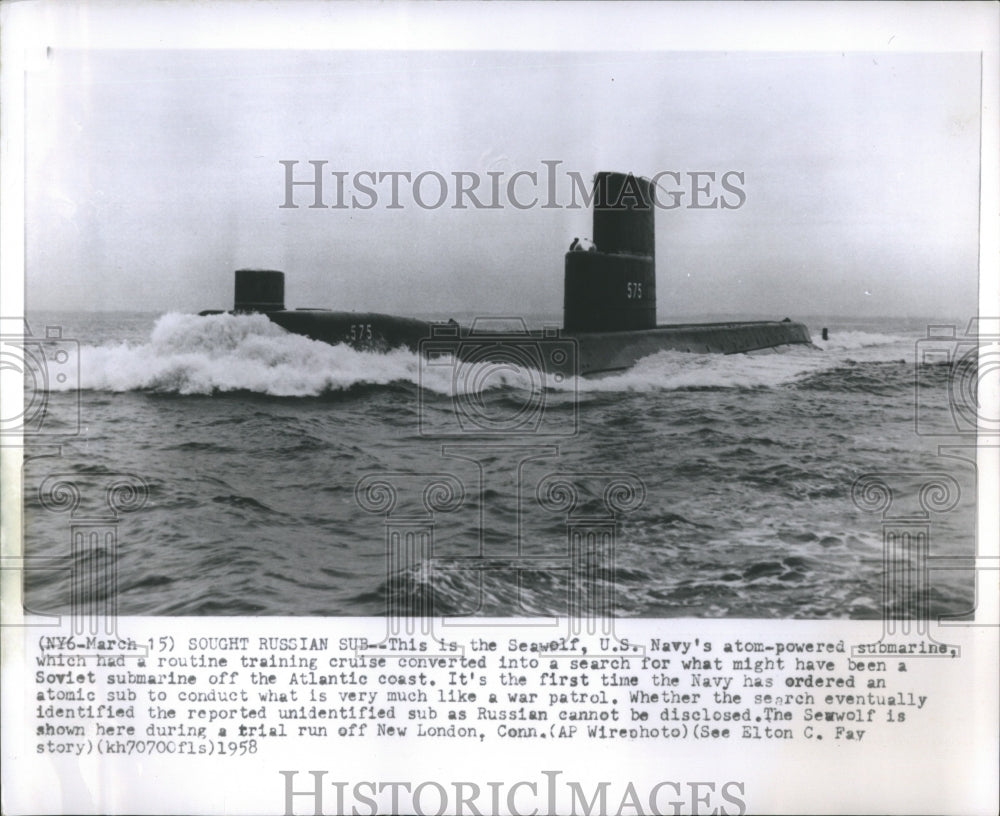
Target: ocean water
733	475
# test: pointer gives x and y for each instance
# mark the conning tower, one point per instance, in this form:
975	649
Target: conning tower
614	287
259	290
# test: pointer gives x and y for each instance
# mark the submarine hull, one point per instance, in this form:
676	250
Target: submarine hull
595	352
367	331
601	352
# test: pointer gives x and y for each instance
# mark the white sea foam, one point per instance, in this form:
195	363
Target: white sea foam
854	340
672	370
188	354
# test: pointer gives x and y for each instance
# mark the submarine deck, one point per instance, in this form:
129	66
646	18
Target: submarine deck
596	352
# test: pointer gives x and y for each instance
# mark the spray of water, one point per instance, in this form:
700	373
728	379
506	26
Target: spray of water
188	354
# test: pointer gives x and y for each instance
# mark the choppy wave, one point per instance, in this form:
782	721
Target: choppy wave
747	461
853	340
188	355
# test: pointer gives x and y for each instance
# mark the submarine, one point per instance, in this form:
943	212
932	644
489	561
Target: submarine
609	306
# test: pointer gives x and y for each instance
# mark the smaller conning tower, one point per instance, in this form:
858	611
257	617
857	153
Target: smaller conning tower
613	288
259	290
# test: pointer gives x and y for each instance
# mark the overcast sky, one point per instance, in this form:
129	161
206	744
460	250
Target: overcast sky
153	174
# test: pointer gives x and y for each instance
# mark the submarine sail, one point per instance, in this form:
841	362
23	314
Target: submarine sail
613	286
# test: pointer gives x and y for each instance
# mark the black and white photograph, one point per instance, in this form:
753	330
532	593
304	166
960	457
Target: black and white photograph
500	346
706	274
